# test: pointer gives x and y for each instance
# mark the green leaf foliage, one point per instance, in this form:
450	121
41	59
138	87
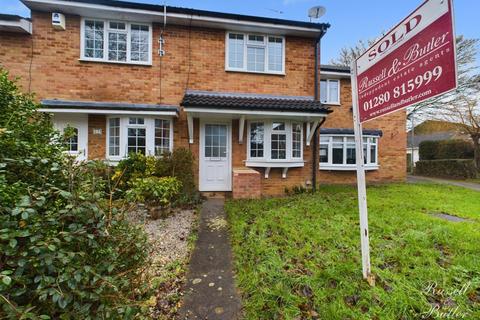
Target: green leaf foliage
63	255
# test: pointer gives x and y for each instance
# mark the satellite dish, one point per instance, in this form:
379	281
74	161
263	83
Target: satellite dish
316	12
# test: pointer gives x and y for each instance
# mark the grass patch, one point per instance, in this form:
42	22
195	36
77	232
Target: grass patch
299	257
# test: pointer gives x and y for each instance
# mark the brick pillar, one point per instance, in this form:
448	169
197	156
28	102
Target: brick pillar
246	184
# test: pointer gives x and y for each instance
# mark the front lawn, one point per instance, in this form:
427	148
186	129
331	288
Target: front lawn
299	257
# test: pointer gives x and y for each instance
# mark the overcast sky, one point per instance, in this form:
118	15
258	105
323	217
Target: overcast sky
351	20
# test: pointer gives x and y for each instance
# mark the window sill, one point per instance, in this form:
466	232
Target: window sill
338	167
145	64
337	104
257	72
274	164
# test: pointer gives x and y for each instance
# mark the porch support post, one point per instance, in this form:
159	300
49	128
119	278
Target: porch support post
308	134
241	127
312	132
190	128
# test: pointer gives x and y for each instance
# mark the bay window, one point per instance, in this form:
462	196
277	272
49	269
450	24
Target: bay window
337	152
115	41
330	91
255	53
275	141
256	140
133	134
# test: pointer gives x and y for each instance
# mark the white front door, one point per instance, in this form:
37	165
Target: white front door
215	156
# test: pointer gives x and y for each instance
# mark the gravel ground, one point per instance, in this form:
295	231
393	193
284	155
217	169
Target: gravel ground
168	236
170	245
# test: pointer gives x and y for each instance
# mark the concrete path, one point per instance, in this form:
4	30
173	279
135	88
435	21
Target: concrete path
210	289
468	185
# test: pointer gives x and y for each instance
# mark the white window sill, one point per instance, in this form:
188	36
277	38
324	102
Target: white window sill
272	73
274	163
134	63
331	103
342	167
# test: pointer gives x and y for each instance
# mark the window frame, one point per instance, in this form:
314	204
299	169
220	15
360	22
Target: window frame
328	92
149	125
69	140
267	141
329	165
106	29
246	44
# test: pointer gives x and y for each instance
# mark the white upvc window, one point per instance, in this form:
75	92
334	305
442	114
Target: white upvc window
337	152
162	136
148	135
258	53
72	141
330	91
116	41
275	141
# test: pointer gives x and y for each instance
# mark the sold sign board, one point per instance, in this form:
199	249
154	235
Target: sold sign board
411	63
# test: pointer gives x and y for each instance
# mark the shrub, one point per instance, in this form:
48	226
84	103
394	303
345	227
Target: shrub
455	169
64	254
178	164
155	191
445	149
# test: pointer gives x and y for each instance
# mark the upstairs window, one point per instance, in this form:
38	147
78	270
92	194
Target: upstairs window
255	53
115	41
330	91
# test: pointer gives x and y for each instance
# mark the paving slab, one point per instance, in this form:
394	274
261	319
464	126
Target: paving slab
210	289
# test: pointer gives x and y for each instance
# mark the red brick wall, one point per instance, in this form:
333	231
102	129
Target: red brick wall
96	141
391	146
246	184
56	72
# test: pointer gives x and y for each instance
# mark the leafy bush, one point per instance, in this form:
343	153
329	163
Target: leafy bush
455	169
445	149
178	164
64	253
155	191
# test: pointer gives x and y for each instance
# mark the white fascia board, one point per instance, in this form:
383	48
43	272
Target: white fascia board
238	113
141	15
97	111
22	26
331	74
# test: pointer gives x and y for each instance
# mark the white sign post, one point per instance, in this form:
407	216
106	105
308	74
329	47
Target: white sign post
361	184
413	62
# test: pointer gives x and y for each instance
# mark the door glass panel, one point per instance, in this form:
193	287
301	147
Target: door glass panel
215	141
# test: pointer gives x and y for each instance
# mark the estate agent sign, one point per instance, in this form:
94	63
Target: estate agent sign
413	62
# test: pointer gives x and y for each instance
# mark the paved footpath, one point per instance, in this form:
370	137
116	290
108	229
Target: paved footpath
210	288
468	185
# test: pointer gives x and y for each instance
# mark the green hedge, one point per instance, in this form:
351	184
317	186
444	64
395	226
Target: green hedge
455	169
446	149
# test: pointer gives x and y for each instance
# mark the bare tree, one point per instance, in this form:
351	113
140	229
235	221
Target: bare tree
348	54
468	79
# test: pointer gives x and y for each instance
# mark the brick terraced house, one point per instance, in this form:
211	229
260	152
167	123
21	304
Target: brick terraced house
245	94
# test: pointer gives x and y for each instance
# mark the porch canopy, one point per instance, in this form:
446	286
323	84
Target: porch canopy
94	107
245	106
